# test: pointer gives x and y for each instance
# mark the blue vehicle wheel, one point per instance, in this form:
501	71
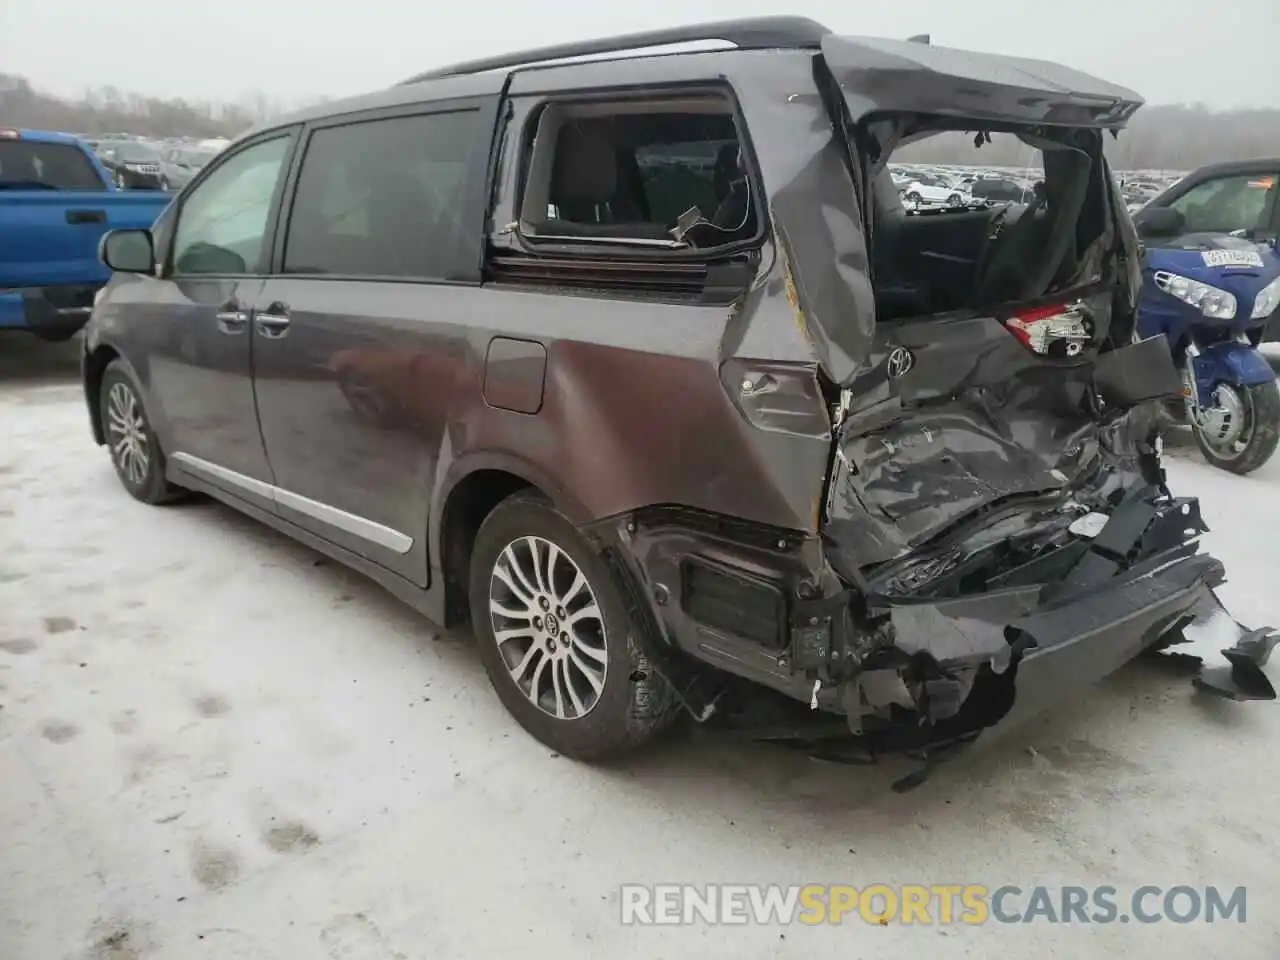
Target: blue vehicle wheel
1240	431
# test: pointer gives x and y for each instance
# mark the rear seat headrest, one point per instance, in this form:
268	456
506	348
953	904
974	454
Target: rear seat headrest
586	169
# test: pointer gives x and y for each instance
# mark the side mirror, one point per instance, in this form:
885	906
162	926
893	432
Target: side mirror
129	251
1158	222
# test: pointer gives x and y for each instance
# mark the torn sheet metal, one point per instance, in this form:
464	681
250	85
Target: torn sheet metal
879	75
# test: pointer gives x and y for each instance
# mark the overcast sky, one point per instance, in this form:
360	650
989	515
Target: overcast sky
1222	53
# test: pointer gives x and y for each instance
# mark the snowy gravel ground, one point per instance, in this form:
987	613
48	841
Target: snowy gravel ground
215	745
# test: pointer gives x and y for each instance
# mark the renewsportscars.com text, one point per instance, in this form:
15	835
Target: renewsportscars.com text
932	904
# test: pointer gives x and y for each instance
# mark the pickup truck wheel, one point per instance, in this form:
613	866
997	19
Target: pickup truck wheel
555	636
135	452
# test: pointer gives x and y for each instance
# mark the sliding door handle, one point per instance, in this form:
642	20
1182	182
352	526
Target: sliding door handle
272	323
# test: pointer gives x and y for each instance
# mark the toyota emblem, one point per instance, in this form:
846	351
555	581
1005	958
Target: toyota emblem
900	361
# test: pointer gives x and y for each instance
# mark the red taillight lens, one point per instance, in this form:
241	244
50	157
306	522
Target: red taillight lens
1056	330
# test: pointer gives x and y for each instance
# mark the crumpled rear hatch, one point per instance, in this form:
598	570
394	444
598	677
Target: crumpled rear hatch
961	420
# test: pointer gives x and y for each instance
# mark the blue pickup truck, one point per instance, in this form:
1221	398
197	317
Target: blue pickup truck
56	202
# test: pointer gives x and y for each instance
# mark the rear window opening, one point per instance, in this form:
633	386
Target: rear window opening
665	174
36	165
972	218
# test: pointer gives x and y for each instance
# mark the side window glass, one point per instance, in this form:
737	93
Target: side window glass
384	198
669	173
1227	204
222	224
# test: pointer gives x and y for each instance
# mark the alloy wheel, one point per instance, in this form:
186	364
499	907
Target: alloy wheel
549	627
127	433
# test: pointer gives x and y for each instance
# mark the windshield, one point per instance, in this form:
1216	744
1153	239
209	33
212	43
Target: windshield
33	165
1228	204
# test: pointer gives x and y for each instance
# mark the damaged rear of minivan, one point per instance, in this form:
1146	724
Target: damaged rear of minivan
996	532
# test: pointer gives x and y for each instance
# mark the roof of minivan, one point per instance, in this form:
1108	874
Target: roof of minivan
883	74
469	85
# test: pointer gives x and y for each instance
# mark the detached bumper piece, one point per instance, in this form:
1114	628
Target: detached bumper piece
860	673
998	658
1242	677
1140	586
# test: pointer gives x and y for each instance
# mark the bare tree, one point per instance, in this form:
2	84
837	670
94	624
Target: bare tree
1159	137
109	110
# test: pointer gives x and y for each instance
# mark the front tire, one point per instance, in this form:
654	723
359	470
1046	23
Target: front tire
555	636
135	451
1261	408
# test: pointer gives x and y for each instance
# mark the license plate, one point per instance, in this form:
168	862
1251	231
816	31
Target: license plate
1231	258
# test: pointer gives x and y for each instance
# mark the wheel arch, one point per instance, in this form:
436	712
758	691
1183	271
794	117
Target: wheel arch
95	366
474	486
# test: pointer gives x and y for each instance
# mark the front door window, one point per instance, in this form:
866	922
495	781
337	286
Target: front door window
223	222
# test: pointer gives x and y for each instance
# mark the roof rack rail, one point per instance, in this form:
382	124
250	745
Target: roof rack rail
756	33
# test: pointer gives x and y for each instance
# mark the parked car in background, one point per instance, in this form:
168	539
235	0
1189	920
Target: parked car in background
134	164
180	164
930	190
485	349
1002	189
56	202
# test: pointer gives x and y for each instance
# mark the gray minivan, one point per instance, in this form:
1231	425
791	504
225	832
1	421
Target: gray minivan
629	354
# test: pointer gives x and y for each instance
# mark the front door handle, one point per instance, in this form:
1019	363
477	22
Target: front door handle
232	322
86	216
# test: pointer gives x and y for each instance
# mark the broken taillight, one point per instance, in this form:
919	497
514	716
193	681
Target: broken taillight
1058	330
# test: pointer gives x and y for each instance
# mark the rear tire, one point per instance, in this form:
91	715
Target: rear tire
1262	405
577	681
132	443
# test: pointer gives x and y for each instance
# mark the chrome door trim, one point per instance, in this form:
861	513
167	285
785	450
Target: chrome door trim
357	526
215	472
350	523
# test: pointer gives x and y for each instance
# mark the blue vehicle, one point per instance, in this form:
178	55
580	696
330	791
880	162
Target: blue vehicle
1211	285
56	202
